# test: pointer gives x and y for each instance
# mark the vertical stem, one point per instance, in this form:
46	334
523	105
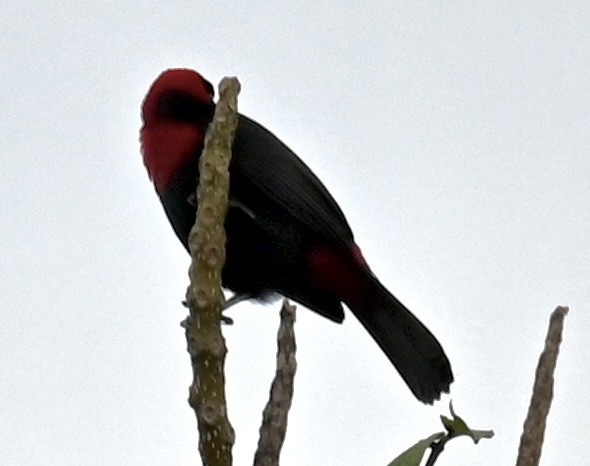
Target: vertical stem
531	441
274	417
205	342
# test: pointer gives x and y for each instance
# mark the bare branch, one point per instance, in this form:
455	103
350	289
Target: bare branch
531	440
205	342
274	416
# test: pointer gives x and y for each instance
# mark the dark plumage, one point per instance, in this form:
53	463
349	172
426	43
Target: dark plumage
285	232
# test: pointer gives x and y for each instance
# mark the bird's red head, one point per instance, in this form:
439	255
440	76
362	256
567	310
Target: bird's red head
176	112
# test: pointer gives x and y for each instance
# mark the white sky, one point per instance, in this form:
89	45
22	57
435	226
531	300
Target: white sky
456	138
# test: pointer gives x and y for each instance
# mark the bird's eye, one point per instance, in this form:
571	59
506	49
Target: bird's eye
182	107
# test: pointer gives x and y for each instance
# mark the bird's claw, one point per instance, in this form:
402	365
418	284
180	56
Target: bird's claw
226	320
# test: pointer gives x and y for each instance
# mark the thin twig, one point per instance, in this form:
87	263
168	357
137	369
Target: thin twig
531	440
274	417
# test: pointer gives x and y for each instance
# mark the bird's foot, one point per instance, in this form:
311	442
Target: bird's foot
224	319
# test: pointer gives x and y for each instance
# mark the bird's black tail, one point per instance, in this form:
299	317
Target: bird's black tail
409	345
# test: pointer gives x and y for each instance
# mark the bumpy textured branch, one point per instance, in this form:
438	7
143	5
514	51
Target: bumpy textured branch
206	344
531	440
274	417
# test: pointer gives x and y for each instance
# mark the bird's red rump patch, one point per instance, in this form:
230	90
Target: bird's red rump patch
340	274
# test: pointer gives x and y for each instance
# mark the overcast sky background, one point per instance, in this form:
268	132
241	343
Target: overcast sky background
455	136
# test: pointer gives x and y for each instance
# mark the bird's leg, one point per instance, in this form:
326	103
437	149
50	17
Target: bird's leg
235	299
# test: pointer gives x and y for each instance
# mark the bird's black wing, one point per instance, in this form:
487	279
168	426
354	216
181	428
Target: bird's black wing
261	161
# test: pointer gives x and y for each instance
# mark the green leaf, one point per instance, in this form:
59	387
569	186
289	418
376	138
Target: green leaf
457	426
413	455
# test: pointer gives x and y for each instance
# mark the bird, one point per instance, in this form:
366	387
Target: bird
286	235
